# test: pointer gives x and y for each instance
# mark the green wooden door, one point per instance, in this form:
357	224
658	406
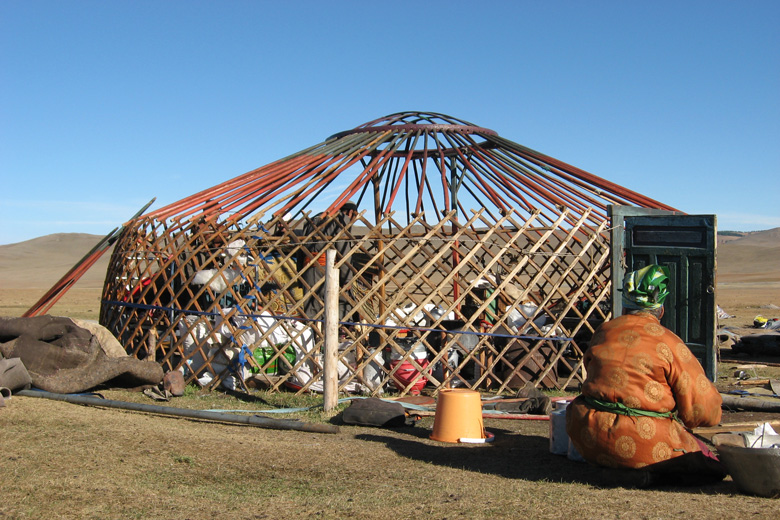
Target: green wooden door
686	245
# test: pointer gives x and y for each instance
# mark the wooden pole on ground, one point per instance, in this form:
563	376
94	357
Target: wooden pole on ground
752	404
254	420
330	358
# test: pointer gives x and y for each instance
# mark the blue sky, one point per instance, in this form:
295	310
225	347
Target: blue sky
106	104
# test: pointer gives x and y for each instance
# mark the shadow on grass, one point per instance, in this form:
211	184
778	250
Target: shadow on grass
526	457
246	398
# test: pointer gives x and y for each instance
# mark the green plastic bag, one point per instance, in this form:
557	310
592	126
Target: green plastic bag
265	356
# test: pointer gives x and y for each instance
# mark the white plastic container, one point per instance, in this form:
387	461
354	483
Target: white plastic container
573	454
419	352
372	373
559	439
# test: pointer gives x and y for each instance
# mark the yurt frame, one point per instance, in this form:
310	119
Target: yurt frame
470	261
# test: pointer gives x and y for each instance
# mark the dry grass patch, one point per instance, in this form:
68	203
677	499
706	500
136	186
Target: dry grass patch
68	461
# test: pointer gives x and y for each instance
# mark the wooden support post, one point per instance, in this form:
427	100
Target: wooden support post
151	344
330	358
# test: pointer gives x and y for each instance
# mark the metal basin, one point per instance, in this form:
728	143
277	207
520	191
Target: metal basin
755	471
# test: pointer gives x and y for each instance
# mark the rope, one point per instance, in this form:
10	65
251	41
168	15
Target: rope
351	323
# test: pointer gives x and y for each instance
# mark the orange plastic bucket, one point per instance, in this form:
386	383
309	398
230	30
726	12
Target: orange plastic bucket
458	416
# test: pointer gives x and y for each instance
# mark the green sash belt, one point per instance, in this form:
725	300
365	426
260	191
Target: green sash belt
621	409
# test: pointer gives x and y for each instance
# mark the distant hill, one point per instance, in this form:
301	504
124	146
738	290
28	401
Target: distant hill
767	238
40	262
752	257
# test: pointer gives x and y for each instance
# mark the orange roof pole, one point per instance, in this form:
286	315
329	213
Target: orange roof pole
59	289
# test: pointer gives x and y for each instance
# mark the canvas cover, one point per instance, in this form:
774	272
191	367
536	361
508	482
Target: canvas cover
63	355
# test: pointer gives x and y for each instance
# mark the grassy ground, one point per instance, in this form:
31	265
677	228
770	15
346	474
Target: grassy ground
60	460
63	460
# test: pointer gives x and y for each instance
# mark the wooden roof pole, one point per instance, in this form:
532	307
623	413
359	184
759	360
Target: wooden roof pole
380	244
404	169
450	192
70	278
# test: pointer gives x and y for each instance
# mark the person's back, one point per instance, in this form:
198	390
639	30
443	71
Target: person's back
643	386
637	363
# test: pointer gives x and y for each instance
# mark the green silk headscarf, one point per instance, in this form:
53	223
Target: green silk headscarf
646	287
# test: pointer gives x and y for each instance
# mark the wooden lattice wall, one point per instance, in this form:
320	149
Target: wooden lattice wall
489	302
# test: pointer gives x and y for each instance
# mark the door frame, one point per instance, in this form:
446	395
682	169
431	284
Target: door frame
702	337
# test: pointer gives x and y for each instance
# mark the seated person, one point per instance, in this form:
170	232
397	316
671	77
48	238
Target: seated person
643	388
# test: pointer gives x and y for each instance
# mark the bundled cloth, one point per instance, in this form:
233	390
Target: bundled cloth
723	315
760	322
65	355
